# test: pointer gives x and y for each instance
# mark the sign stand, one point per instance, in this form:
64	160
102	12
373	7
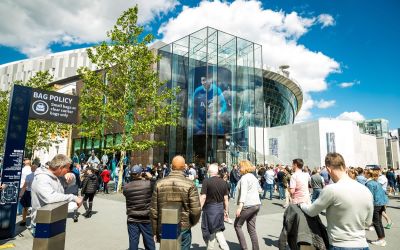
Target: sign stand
25	103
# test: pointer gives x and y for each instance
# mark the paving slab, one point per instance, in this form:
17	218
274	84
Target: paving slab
107	229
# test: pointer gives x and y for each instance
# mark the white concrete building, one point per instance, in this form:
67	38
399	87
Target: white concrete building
311	141
60	65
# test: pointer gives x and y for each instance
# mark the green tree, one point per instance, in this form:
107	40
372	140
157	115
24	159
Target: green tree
41	134
4	99
126	95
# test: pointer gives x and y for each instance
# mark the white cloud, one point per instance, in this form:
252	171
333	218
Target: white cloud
31	26
305	111
322	104
352	116
326	20
348	84
278	32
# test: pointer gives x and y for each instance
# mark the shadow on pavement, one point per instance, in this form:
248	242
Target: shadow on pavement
393	207
18	234
234	245
277	204
271	243
198	247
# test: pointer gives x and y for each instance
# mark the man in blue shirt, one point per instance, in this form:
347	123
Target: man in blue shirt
204	106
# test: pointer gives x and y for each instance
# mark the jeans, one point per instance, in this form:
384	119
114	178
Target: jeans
377	221
105	187
19	208
281	190
315	194
218	236
115	184
186	239
347	248
248	215
270	188
134	231
233	189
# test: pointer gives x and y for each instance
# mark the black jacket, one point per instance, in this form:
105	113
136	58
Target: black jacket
212	220
89	184
301	229
234	176
138	200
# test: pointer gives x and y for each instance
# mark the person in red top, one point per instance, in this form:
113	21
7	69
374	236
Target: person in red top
105	176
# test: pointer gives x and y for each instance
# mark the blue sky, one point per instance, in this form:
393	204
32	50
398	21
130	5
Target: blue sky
360	44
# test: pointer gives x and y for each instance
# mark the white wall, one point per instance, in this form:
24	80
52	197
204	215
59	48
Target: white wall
367	150
299	140
46	156
395	153
308	141
382	157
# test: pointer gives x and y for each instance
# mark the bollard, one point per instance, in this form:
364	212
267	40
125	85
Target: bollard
51	221
170	227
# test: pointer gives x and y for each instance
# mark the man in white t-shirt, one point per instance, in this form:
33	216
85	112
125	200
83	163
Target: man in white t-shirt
269	182
93	160
299	183
26	170
25	193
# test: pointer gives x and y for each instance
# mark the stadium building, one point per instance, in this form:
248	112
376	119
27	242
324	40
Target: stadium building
225	94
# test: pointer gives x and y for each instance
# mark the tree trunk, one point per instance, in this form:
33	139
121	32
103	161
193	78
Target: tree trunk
121	171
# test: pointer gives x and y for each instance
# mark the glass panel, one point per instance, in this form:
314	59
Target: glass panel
96	143
77	145
226	98
197	105
109	141
88	144
118	139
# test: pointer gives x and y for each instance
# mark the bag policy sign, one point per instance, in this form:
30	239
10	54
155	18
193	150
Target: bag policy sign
53	106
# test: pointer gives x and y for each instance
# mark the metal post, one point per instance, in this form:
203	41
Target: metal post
17	126
170	227
51	222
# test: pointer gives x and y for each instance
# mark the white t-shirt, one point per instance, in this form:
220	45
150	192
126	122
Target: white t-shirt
25	171
269	176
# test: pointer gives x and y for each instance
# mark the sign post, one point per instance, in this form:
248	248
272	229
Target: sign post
25	103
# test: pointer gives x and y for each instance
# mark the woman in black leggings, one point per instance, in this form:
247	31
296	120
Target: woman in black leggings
89	188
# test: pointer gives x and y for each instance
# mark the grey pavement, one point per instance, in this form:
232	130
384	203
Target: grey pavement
107	229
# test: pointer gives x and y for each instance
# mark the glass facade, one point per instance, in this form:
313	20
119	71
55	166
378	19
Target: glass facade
221	96
377	127
281	102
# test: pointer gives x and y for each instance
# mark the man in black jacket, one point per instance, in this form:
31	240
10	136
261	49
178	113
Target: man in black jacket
234	179
138	194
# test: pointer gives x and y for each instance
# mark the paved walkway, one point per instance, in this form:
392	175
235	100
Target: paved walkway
106	229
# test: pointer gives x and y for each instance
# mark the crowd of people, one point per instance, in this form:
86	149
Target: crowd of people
204	192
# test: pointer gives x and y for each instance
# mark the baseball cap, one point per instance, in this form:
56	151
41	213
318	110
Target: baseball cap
136	169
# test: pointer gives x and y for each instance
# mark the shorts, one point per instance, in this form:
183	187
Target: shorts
26	200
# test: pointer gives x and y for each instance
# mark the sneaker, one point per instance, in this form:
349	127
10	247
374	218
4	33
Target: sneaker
389	225
381	243
371	228
228	220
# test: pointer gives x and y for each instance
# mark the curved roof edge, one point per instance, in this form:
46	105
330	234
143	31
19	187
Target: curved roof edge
289	83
